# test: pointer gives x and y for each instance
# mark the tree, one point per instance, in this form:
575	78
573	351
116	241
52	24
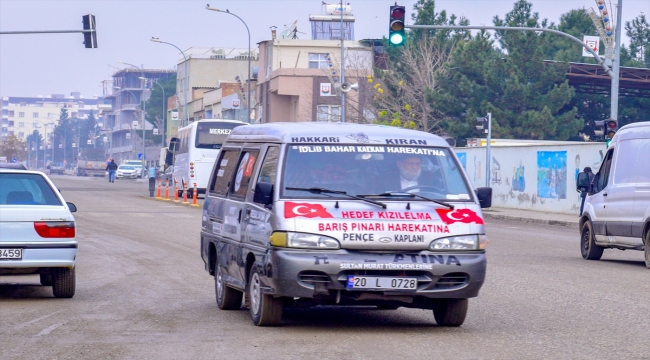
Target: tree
639	32
64	134
527	99
13	147
156	105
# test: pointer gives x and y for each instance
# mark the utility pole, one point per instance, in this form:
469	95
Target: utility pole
488	164
613	114
342	80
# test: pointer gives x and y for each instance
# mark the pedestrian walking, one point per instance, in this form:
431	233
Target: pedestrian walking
111	168
583	193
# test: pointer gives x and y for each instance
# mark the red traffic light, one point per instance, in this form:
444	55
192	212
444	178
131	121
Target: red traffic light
612	124
398	13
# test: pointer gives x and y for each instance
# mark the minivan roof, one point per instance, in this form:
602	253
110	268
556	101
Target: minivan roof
343	133
633	131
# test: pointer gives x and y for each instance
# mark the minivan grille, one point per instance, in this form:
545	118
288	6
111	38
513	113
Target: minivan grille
312	277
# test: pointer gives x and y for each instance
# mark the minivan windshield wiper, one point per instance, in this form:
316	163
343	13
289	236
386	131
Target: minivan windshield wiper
315	190
412	195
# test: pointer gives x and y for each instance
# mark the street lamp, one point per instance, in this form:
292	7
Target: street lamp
185	117
208	7
164	112
144	109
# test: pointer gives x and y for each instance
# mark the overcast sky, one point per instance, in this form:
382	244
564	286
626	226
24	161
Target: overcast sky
32	65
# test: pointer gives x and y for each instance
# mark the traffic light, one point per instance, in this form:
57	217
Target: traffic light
90	37
600	128
396	31
483	124
612	126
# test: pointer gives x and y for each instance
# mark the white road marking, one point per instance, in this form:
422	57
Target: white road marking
35	320
49	329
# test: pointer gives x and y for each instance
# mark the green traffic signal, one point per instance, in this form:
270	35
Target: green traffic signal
396	30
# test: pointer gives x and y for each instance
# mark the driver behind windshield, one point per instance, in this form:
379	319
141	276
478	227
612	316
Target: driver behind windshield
411	174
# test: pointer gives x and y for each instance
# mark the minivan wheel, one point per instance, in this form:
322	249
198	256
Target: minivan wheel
265	309
646	249
450	312
227	297
588	247
63	282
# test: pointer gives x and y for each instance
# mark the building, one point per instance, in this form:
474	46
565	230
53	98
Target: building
125	123
24	115
204	69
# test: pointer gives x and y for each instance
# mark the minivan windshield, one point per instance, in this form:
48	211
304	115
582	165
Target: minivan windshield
431	172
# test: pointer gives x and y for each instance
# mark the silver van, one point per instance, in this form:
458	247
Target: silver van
617	206
304	214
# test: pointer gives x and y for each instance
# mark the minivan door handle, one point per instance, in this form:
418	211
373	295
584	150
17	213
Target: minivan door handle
604	194
239	216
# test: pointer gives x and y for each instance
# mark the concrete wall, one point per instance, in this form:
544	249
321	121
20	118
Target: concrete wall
534	177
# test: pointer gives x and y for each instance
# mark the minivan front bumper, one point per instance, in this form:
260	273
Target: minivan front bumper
313	274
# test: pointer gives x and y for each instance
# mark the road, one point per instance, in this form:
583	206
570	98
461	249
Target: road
142	293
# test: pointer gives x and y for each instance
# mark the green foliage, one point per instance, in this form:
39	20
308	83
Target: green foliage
639	32
157	105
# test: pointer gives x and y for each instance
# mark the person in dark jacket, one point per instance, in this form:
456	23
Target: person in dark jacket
408	173
111	168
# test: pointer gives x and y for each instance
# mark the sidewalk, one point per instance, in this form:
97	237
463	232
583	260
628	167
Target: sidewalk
532	216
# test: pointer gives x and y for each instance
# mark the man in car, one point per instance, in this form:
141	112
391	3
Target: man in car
410	174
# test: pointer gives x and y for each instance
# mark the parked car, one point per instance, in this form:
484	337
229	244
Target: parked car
126	172
37	230
617	206
57	168
137	164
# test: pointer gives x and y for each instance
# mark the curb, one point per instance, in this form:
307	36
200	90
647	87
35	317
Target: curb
532	220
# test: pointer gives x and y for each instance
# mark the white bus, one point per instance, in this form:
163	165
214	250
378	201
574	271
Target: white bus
198	147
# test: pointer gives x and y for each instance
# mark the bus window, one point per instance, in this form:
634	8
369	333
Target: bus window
212	135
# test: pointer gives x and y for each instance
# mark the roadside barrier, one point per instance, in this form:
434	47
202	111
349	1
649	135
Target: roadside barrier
196	191
159	189
166	198
185	194
176	190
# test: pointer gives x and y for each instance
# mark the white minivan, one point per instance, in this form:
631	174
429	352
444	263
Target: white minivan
617	208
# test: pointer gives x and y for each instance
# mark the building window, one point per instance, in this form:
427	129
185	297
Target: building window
11	123
21	114
21	124
317	61
328	113
11	113
21	134
35	125
35	115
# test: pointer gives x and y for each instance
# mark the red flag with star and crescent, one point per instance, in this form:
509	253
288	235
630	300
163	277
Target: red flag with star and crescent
292	210
466	216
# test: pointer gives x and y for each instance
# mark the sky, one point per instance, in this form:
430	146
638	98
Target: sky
44	64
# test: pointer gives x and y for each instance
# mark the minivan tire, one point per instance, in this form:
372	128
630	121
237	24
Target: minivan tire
63	282
588	247
227	297
646	249
450	312
265	309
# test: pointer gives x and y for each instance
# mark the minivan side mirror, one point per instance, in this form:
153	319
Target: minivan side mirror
582	184
263	193
72	207
484	195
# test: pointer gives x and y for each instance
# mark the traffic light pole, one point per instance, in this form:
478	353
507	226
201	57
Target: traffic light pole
342	80
488	164
613	113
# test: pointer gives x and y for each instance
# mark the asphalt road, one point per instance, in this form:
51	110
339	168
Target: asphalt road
142	293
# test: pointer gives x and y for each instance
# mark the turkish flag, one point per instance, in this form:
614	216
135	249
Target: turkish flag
292	210
466	216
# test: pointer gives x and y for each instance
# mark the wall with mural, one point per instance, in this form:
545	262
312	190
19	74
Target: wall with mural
535	177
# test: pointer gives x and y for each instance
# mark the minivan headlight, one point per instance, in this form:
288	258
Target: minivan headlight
303	241
461	242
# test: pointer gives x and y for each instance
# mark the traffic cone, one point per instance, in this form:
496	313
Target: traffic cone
185	194
166	198
176	191
159	189
196	191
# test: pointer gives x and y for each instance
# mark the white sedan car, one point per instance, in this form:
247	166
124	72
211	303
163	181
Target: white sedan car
126	172
37	230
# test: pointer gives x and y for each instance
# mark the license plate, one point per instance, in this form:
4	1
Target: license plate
381	283
11	254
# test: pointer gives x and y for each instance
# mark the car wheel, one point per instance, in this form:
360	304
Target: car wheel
450	312
63	282
46	279
646	249
588	247
265	309
227	297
